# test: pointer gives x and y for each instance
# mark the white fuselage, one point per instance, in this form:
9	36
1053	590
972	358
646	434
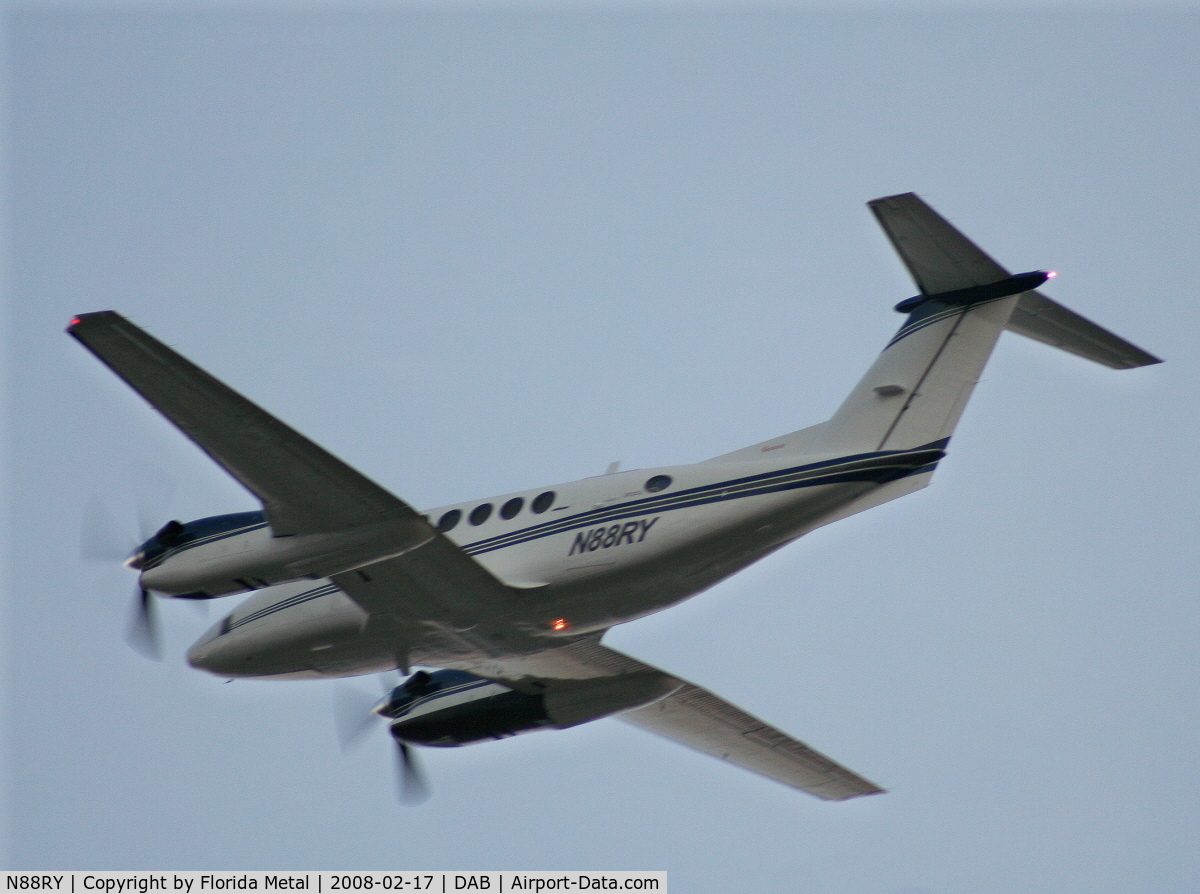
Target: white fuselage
604	551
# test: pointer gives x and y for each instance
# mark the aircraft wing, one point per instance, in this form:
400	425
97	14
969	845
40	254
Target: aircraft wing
437	589
430	585
304	489
689	715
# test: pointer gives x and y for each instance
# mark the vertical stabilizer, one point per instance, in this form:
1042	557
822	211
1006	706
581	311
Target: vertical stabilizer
915	392
917	388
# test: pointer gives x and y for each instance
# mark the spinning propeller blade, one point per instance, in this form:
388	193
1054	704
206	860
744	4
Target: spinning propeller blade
101	541
352	714
413	787
142	634
352	708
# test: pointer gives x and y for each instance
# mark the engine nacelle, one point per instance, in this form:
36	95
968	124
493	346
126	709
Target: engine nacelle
448	708
227	554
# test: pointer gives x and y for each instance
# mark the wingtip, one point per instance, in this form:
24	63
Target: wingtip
79	319
1149	360
899	195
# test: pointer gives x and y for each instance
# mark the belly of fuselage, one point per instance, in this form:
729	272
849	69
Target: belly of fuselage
712	547
591	575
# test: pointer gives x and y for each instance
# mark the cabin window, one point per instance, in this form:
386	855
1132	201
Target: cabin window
542	502
511	508
480	513
657	483
449	520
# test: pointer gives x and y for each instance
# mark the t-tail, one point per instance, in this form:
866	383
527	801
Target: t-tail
915	392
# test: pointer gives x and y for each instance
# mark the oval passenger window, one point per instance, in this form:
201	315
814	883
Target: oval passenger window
542	502
480	513
449	520
511	508
657	483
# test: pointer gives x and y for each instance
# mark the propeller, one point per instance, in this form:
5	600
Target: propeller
102	542
353	711
413	787
108	536
142	632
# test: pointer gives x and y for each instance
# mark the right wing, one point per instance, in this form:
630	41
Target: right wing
702	721
689	715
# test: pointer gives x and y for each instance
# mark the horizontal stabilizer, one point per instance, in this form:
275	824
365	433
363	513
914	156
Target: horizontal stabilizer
1047	321
939	257
918	387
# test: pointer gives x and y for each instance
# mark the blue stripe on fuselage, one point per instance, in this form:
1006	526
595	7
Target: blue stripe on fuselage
859	467
306	596
932	312
870	467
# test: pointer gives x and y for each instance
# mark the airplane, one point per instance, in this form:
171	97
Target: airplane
506	599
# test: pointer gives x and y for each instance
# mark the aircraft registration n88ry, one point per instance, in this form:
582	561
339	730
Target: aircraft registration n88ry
507	598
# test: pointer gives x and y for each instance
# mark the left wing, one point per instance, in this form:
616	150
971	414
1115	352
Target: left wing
688	714
437	589
428	584
304	489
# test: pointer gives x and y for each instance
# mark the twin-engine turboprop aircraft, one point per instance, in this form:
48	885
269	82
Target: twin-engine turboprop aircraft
508	597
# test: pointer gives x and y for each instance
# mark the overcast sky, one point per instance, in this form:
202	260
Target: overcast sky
476	249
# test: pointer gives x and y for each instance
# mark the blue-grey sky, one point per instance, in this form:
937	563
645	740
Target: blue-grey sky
475	249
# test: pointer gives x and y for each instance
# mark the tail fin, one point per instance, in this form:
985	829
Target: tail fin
917	389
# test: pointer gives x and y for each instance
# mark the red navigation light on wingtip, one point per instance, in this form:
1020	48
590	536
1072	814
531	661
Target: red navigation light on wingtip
74	322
